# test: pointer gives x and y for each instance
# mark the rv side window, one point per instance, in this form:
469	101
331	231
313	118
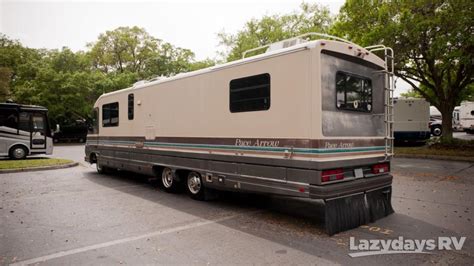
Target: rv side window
250	93
353	92
24	122
110	115
9	120
130	106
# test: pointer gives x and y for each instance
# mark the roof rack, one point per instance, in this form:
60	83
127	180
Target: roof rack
302	36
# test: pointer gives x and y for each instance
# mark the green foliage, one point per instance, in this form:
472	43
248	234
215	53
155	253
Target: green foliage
433	43
270	29
411	94
68	83
32	163
5	79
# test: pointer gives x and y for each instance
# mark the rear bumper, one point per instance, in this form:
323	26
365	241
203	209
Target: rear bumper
351	187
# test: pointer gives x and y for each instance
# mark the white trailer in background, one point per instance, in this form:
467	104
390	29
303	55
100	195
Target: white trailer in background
412	117
466	117
456	122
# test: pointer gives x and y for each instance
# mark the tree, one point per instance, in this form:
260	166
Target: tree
123	49
433	43
270	29
5	77
411	94
69	82
133	50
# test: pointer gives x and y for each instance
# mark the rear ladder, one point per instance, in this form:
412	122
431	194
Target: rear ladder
389	88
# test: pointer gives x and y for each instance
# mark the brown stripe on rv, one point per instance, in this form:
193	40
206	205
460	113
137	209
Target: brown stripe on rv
269	142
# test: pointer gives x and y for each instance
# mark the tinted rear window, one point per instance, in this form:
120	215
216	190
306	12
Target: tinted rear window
353	93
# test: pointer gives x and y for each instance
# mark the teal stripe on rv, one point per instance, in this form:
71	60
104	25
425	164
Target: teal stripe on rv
245	148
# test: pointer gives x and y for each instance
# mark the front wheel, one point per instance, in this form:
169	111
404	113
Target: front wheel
436	131
18	152
102	169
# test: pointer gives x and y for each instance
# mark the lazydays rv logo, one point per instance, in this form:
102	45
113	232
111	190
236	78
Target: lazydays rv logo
401	245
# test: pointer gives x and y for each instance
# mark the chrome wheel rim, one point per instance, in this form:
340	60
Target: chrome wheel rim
19	153
167	178
437	131
194	183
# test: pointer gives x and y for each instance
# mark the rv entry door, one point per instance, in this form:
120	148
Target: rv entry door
38	131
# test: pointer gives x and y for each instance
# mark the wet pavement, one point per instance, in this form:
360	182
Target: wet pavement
76	216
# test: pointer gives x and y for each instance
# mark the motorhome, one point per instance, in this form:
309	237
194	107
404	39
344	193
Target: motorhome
412	118
466	116
309	119
24	130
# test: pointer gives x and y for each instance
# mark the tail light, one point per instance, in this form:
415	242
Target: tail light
380	168
331	175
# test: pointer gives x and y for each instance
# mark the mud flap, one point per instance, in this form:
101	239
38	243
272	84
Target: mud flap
380	204
350	212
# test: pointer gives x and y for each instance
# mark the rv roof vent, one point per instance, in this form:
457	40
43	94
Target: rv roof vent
285	44
138	83
156	78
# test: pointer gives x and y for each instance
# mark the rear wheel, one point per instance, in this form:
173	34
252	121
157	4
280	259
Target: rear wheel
195	187
168	181
18	152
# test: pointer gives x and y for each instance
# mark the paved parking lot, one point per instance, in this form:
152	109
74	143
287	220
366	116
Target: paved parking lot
76	216
463	135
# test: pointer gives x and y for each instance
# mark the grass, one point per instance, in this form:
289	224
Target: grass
31	163
455	148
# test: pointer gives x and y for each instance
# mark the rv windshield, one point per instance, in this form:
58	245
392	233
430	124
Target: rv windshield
354	93
94	127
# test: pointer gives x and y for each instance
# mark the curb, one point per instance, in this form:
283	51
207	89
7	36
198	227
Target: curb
436	157
51	167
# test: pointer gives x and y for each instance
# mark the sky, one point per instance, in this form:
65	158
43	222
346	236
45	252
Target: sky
184	23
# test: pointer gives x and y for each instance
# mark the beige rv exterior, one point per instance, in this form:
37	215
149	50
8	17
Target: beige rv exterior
184	124
196	104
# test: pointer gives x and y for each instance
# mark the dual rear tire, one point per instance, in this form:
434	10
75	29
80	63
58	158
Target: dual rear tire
171	184
192	183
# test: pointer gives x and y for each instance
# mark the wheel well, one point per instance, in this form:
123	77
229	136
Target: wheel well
181	174
157	169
